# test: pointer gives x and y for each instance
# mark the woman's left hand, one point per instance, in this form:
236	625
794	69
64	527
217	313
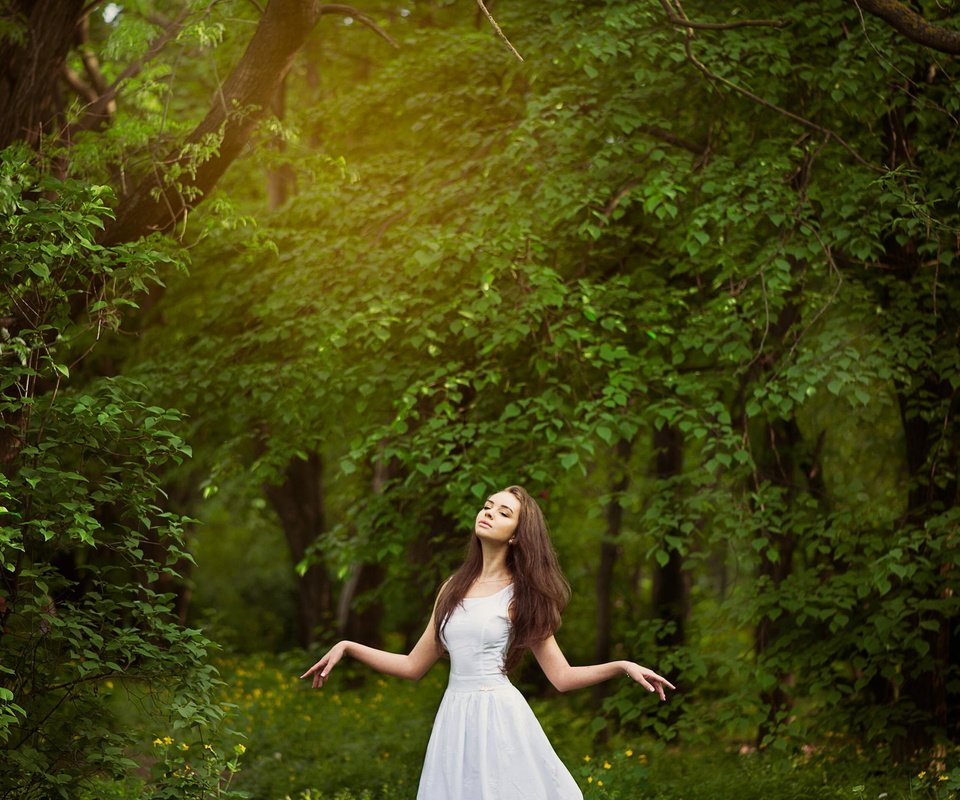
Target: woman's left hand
648	678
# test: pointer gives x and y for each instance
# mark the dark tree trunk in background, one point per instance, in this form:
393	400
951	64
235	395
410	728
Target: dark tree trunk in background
364	624
30	72
776	464
444	535
929	409
928	691
281	179
609	549
670	599
299	503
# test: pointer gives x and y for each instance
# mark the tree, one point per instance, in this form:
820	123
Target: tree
87	545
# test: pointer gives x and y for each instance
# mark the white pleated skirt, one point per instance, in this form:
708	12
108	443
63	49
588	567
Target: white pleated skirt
487	744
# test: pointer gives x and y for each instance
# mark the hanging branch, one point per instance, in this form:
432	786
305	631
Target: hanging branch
350	11
676	11
496	27
99	111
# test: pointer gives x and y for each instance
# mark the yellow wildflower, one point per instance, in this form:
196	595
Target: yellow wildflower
642	758
239	749
629	753
922	773
167	740
587	758
599	783
590	779
208	747
184	747
607	765
943	778
158	741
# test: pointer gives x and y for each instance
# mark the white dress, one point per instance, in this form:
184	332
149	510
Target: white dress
486	742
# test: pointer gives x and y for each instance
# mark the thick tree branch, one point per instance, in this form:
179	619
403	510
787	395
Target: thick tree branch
163	198
905	20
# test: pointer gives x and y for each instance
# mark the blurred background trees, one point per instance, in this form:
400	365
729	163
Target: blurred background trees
685	274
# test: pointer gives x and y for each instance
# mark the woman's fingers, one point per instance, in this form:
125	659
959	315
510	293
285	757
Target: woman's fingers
653	682
318	671
663	680
315	668
322	668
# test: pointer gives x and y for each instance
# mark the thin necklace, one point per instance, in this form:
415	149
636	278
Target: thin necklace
495	580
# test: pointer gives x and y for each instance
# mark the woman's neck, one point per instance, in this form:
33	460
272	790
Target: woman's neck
494	562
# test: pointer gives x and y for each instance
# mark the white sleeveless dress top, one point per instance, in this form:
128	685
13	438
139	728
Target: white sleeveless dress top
486	742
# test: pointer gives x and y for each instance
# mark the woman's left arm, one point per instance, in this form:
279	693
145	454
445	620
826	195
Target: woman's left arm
565	678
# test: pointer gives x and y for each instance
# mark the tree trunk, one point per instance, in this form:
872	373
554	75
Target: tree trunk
299	504
353	623
777	465
31	68
670	597
281	179
927	498
157	203
609	549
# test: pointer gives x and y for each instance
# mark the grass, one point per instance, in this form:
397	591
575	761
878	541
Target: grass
362	737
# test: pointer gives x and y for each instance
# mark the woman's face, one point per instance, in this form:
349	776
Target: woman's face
498	518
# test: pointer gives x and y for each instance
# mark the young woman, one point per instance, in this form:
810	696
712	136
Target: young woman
506	598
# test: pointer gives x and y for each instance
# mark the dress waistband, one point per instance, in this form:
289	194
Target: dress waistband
478	683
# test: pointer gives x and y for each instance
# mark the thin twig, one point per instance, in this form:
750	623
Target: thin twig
725	26
496	27
89	7
350	11
910	81
688	48
671	138
94	113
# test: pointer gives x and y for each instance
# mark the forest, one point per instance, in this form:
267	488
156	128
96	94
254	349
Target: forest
289	288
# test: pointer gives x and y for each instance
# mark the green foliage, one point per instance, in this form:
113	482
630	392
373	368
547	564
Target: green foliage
320	745
86	544
518	267
493	273
179	771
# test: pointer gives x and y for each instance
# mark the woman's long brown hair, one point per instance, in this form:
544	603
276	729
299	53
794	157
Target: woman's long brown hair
540	592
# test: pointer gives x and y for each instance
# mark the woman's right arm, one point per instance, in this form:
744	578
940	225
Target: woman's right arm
412	666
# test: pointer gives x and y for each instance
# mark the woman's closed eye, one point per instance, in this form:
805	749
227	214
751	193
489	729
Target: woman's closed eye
503	514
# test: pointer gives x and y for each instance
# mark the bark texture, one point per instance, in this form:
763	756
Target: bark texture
164	198
915	27
299	503
609	550
32	65
670	581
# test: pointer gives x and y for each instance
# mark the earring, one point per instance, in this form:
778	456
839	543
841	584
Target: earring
511	541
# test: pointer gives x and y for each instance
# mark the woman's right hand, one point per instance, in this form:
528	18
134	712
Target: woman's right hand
322	668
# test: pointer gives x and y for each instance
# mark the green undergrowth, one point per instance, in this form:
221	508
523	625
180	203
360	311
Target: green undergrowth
362	737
